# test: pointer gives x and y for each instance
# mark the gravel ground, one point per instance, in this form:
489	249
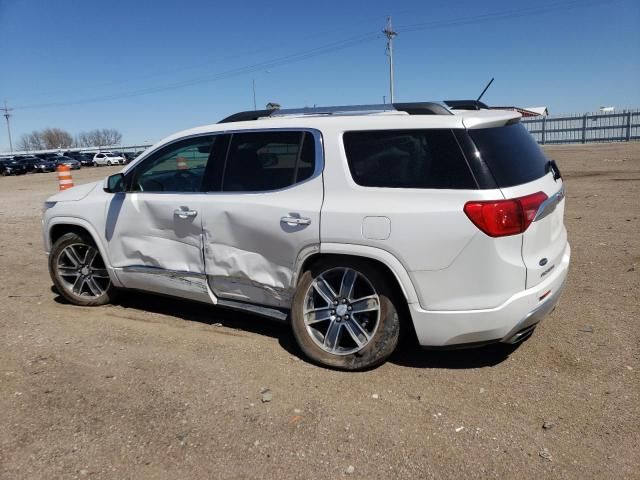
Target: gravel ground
155	388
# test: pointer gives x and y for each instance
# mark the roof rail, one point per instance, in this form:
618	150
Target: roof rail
416	108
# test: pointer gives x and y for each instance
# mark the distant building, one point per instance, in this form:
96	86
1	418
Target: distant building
527	112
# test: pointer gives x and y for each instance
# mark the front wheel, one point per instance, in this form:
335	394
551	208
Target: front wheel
343	314
79	272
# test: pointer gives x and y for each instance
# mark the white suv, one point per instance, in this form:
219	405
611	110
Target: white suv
348	222
107	158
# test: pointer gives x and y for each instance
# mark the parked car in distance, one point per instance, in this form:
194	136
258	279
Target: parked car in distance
9	166
85	159
35	164
71	162
107	158
128	157
446	221
48	156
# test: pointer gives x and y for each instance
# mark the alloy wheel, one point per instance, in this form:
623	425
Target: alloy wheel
82	271
341	311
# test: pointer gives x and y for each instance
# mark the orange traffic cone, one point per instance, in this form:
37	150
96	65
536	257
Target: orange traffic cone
181	163
64	177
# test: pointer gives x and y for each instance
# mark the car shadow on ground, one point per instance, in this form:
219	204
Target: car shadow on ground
408	354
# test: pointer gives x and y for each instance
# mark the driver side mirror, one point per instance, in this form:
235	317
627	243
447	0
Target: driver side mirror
114	183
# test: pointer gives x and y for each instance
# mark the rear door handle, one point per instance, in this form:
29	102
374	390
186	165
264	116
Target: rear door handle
296	220
185	213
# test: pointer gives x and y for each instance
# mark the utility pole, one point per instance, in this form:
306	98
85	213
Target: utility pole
390	34
6	111
254	94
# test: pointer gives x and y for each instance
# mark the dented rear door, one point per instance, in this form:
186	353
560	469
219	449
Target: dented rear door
266	216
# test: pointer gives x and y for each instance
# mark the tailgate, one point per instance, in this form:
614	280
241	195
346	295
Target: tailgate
544	242
521	168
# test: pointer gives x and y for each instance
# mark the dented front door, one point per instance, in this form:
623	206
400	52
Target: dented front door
156	243
154	230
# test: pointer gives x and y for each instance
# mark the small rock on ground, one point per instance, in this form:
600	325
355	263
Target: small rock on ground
544	453
267	396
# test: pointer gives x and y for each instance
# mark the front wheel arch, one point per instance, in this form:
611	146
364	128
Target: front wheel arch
60	226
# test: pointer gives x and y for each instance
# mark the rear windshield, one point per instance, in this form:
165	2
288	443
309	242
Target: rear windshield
407	159
511	153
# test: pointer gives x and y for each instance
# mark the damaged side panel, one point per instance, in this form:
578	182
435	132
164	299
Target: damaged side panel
155	248
251	251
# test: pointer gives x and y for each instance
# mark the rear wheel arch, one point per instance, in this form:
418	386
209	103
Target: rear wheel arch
312	260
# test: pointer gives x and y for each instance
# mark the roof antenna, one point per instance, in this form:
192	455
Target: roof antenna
485	89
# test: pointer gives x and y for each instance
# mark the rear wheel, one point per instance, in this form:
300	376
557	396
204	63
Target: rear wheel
79	272
344	316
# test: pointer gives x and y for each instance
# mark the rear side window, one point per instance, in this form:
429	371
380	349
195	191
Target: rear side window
263	161
511	153
407	159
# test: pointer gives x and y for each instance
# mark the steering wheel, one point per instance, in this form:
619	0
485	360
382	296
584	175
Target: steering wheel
187	176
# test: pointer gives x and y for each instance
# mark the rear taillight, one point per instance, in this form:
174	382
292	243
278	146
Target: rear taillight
499	218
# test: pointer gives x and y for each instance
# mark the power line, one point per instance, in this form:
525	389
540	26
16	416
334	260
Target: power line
322	50
334	46
517	13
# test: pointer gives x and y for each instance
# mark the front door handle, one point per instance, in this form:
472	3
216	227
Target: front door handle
296	220
185	213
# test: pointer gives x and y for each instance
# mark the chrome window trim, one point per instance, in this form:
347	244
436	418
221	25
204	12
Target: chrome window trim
319	158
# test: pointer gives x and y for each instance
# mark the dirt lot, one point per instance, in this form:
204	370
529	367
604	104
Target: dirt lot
156	388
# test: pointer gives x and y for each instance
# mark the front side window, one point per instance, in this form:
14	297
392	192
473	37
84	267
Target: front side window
178	167
263	161
407	159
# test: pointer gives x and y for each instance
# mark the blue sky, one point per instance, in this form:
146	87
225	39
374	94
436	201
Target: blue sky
59	57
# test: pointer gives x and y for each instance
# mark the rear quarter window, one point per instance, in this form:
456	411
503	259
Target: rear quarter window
511	153
407	159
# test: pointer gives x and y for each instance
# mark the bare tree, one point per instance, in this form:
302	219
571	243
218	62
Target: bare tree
99	137
56	138
111	136
83	140
31	141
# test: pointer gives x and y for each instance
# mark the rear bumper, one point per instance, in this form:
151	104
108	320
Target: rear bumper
510	322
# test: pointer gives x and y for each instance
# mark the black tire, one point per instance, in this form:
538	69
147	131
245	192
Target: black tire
383	339
61	265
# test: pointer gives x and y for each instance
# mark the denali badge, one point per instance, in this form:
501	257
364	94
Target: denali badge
543	262
547	271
